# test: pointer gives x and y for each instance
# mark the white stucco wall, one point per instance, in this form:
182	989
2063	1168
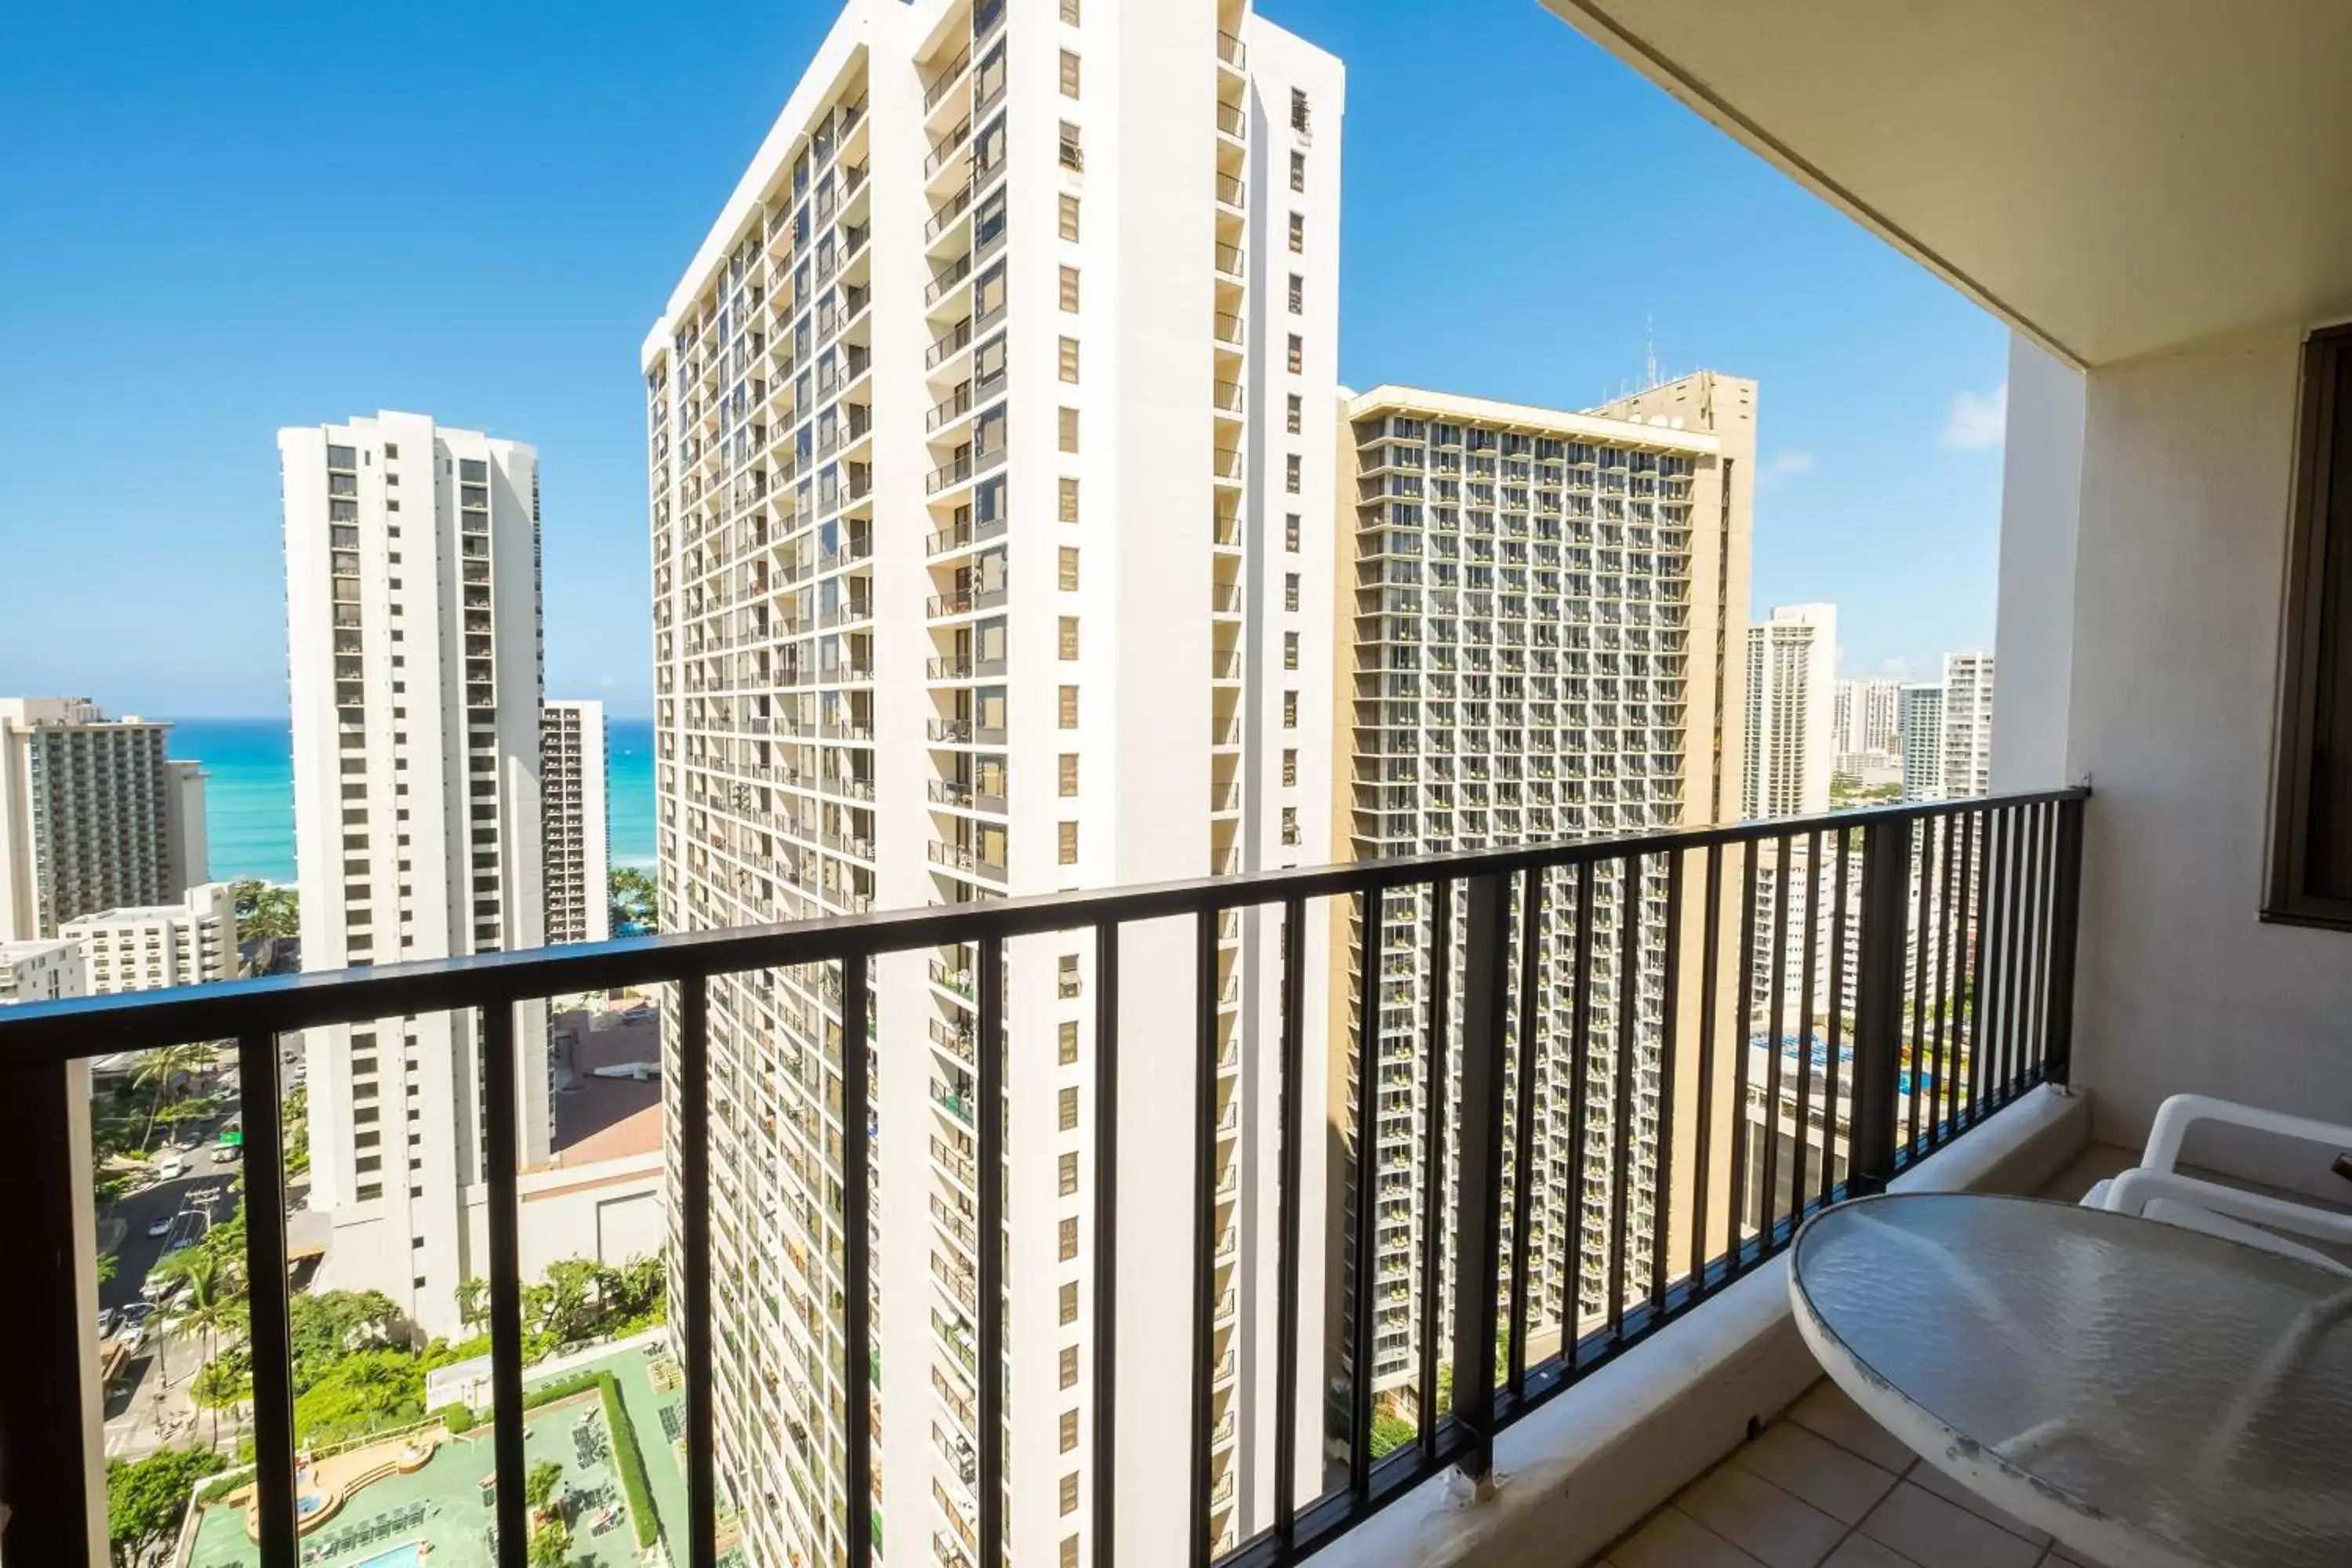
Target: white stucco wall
2041	499
2186	472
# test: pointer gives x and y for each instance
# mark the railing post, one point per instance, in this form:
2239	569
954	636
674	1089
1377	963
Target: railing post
1478	1189
48	1404
2065	919
1878	1021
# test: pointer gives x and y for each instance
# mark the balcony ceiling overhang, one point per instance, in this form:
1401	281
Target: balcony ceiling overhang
2113	177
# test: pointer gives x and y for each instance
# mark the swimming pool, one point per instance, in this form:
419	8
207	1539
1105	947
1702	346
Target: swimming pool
409	1556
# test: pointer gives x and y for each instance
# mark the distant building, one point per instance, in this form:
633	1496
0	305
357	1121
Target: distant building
40	969
1866	715
1791	662
413	612
572	821
1968	724
152	946
91	815
1923	741
189	860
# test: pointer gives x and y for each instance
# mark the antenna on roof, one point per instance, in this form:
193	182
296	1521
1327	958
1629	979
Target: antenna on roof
1649	349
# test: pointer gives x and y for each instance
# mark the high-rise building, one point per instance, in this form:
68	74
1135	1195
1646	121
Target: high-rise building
413	610
41	969
91	815
992	432
1923	741
577	864
1866	715
1547	618
1968	724
188	857
1791	665
149	947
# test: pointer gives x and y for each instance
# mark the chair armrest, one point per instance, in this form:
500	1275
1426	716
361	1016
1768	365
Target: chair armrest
2181	1111
2134	1190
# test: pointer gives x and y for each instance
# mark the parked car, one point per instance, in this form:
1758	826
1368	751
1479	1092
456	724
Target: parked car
105	1321
137	1313
132	1338
171	1168
226	1154
160	1226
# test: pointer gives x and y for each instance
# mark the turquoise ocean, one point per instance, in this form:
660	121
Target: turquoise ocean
249	792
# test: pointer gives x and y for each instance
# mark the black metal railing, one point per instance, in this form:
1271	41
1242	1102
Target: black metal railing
1740	1024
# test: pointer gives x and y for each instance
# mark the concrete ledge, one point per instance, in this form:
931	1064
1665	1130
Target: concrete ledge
1598	1460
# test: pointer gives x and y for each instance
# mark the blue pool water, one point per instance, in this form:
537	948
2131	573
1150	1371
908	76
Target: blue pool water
409	1556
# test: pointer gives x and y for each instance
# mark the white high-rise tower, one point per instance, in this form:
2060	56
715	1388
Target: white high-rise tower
413	606
992	435
1791	665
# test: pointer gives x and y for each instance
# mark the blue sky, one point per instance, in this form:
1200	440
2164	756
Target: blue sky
227	217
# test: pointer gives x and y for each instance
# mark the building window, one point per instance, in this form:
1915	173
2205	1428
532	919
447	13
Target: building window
1069	1430
1070	289
1290	826
1069	843
1299	172
1290	650
1291	710
1069	637
1291	469
1069	74
1069	1045
1070	1110
1067	1240
1069	1366
1299	122
1066	981
1297	295
1298	233
1070	11
1068	506
1069	358
1296	414
1070	1301
1073	157
2311	828
1070	1493
1069	713
1290	532
1290	767
1069	1551
1069	1174
1297	353
1069	569
1290	591
1069	216
1069	773
1069	424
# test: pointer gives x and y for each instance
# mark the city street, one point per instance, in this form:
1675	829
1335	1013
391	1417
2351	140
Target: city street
138	1251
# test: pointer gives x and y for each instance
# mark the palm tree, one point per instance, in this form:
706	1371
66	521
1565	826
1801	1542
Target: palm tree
163	1067
207	1312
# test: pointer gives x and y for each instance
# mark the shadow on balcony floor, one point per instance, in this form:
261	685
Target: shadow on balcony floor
1822	1486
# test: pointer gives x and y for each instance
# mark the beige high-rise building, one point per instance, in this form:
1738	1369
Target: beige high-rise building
1547	618
92	816
149	947
1791	669
573	822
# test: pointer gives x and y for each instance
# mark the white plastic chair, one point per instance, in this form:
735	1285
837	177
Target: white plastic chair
2156	1190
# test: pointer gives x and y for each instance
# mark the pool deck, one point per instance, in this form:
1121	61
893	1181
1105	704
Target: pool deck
454	1528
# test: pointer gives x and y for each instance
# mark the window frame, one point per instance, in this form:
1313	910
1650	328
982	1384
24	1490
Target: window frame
2315	641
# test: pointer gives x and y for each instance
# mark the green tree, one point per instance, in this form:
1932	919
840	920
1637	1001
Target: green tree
164	1067
206	1312
146	1499
474	1302
633	897
539	1483
361	1393
326	1326
296	1122
263	911
106	1264
552	1547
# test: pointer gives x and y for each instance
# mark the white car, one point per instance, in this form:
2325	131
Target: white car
171	1169
161	1227
132	1338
